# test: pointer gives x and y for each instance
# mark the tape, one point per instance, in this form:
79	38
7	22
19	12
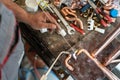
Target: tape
31	5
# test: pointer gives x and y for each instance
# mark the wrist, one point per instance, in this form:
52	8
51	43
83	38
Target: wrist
20	14
29	19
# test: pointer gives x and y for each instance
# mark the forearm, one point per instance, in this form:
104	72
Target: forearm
19	13
36	21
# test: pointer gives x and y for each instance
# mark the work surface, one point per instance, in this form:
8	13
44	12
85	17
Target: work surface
85	69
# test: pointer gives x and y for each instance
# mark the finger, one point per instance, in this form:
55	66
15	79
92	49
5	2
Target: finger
48	25
50	18
42	17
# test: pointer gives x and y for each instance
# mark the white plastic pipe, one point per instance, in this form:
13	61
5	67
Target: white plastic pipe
44	77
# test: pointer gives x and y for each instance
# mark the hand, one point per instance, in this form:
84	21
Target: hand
37	20
40	20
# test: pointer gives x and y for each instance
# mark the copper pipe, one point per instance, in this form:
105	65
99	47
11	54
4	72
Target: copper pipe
63	12
68	11
73	6
113	57
109	74
63	52
44	76
68	58
66	63
115	61
111	37
109	7
70	19
77	21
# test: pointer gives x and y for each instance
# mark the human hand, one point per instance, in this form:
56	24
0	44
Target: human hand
40	20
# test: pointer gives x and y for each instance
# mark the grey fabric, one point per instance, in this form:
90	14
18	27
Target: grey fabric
7	29
10	70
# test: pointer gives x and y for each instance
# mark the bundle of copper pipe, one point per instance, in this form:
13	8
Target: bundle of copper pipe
70	15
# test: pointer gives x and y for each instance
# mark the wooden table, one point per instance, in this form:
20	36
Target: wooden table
48	47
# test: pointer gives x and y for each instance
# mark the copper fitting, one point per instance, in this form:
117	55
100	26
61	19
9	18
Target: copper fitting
66	63
74	5
70	15
109	74
79	22
113	57
68	11
108	40
115	61
109	7
76	20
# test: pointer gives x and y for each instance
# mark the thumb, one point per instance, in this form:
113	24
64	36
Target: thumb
48	25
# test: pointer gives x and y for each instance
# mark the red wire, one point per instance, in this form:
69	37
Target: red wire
0	71
8	54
